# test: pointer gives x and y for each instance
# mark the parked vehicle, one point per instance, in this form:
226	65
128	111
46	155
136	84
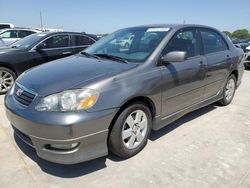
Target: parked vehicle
242	43
6	25
108	99
37	49
125	42
247	58
9	36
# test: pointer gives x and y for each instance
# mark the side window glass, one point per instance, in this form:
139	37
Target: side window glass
78	40
13	34
58	41
22	34
6	35
183	41
212	42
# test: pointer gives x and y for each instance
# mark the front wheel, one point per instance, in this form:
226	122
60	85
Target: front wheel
228	91
7	79
131	130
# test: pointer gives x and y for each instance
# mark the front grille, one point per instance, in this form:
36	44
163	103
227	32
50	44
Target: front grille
23	95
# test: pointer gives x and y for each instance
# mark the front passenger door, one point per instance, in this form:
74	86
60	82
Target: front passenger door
56	46
183	82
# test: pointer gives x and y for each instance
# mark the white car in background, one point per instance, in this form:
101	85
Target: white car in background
9	36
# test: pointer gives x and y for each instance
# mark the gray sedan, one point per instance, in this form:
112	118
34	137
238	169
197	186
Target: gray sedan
109	97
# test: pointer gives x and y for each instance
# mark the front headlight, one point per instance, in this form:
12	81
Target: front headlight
70	100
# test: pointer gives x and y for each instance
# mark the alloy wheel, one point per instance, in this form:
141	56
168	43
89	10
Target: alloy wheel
134	129
230	88
6	81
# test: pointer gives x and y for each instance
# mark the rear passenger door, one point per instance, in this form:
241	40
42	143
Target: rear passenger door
80	42
57	46
218	60
183	82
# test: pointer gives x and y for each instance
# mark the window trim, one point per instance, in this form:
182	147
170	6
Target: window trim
82	36
33	48
216	32
198	42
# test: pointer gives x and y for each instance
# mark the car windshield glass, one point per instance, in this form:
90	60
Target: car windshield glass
28	41
132	45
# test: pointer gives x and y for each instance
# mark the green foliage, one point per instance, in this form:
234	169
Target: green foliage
241	34
227	33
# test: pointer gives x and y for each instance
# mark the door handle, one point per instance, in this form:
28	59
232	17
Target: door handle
67	53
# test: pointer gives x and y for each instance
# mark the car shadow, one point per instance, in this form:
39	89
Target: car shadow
188	117
60	170
77	170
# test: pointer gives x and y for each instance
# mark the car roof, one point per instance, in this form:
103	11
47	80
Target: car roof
69	33
19	28
173	26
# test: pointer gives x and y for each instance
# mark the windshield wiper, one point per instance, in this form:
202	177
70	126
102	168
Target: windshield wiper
89	55
112	57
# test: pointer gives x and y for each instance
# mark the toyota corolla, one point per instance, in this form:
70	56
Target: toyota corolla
108	97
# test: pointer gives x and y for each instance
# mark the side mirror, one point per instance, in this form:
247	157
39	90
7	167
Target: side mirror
175	56
40	46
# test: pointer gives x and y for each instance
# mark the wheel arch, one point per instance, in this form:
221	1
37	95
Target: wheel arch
235	73
8	67
146	100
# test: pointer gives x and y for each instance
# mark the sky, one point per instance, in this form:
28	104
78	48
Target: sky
105	16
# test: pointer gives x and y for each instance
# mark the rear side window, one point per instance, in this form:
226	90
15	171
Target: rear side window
58	41
79	40
9	34
23	33
184	41
212	42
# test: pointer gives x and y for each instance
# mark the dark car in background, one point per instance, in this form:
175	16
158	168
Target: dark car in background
37	49
242	43
108	97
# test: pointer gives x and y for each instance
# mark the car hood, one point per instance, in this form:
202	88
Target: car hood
68	73
5	50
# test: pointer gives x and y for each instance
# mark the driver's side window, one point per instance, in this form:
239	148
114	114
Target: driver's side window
183	41
57	41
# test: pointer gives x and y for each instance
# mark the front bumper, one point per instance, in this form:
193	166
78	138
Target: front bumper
40	129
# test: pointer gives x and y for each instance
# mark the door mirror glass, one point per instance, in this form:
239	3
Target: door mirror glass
175	56
41	46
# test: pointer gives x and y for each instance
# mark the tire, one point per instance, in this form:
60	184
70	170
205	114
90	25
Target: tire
228	91
128	139
7	79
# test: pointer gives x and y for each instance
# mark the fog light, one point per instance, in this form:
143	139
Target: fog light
69	146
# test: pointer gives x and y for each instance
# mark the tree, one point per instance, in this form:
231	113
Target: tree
241	34
227	33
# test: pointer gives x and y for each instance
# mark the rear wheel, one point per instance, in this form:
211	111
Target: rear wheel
7	79
131	130
228	91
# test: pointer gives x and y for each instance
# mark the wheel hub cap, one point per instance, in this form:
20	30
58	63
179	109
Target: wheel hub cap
230	88
134	129
6	81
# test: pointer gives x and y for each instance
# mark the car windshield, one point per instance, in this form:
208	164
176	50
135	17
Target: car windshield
133	44
28	41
